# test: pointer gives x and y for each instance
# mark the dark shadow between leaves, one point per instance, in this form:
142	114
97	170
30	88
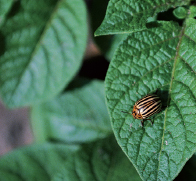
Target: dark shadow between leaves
188	172
94	68
78	82
169	16
2	44
153	24
15	9
164	16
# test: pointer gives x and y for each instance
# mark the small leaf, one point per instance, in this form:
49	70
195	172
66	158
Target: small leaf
102	160
163	58
192	11
79	115
36	162
180	12
44	43
128	16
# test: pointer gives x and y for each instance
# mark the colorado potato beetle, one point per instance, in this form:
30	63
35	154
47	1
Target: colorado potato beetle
146	107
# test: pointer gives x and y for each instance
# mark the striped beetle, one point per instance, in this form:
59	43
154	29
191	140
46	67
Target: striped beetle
146	107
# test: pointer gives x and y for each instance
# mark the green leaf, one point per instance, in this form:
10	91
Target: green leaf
79	115
37	162
102	160
4	8
43	47
180	12
163	58
192	11
128	16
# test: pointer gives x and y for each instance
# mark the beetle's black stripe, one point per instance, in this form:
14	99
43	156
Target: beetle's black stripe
153	112
150	109
153	109
147	99
149	105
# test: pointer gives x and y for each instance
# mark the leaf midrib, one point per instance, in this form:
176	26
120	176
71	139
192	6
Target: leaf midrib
170	89
45	28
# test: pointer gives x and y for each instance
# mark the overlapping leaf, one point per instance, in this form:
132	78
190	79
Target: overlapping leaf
163	58
41	49
37	162
127	16
79	115
102	160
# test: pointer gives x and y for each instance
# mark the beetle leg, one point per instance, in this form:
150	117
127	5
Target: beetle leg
142	123
150	121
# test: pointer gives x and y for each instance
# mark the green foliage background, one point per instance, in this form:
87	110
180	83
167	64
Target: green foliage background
151	46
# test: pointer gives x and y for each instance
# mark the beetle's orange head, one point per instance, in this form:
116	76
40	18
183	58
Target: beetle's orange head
136	113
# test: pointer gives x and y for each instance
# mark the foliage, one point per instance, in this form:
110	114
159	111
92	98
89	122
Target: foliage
151	47
41	49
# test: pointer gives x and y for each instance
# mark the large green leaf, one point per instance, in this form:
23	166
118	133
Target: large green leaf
36	162
102	160
43	45
161	57
78	115
127	16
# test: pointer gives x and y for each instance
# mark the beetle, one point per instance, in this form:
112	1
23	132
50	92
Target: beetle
146	107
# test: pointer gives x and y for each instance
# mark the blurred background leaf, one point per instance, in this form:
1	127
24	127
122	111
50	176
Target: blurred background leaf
41	49
36	162
107	44
4	9
78	115
101	160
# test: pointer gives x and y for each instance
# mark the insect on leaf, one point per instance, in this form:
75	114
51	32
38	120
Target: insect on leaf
161	57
